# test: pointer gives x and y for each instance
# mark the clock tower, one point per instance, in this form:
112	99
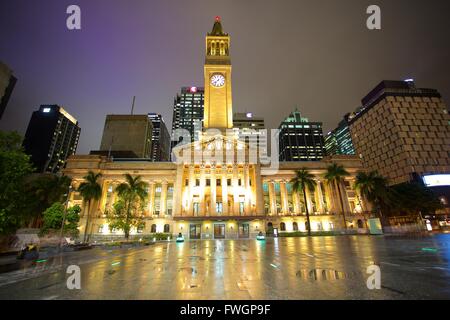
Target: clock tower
218	111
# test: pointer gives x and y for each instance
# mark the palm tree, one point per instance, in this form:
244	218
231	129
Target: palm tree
373	187
90	190
304	180
334	176
131	191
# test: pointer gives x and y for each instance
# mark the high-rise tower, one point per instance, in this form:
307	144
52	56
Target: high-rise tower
218	102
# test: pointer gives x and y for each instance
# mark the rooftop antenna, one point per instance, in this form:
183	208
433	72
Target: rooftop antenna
132	105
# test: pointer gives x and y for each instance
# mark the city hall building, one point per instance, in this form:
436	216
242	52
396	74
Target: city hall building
215	188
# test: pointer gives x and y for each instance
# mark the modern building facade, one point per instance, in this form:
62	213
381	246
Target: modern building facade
402	131
160	139
128	133
51	137
251	129
214	190
188	109
300	139
7	83
339	140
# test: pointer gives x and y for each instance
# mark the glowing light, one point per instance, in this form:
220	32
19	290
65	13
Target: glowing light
437	180
249	115
115	263
409	80
46	110
41	260
218	18
193	89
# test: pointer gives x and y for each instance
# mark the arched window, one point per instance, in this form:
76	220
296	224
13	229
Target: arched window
166	228
295	226
153	229
306	225
282	226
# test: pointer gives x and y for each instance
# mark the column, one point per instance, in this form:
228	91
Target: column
224	190
163	200
259	191
235	186
212	205
151	198
190	191
283	193
344	198
104	196
178	191
248	191
202	190
309	202
272	201
320	202
296	198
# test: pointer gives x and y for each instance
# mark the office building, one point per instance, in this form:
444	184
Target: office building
7	83
128	133
51	137
300	139
339	140
160	139
188	113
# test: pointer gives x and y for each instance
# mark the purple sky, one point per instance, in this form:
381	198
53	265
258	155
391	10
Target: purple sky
315	54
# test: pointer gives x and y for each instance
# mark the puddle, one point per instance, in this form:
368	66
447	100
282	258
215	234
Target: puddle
321	274
187	270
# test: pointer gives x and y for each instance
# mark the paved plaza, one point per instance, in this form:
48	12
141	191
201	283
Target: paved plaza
283	268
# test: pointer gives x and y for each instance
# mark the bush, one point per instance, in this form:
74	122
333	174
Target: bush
158	236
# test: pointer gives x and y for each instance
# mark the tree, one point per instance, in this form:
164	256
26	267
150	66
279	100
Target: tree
128	210
415	198
15	165
53	218
91	191
304	180
373	187
334	176
45	189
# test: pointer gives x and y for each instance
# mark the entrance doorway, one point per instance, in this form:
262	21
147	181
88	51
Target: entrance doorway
244	230
219	231
195	231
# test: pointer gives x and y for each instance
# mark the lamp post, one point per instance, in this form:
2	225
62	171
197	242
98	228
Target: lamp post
64	217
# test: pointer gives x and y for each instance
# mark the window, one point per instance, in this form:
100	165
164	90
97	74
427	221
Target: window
166	228
282	226
208	182
295	226
241	207
229	182
196	208
186	182
219	207
239	182
140	228
218	182
197	182
153	228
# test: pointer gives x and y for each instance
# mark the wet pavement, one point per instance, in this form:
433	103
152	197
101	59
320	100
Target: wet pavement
284	268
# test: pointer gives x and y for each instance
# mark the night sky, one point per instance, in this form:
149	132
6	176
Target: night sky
316	55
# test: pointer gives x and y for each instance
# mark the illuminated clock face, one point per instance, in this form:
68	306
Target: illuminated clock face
217	80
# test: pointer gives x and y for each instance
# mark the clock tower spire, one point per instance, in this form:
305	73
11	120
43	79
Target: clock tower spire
218	111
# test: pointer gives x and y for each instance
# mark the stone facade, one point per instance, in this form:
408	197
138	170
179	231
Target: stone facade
221	200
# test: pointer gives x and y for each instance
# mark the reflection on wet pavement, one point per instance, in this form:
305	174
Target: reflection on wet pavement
285	268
